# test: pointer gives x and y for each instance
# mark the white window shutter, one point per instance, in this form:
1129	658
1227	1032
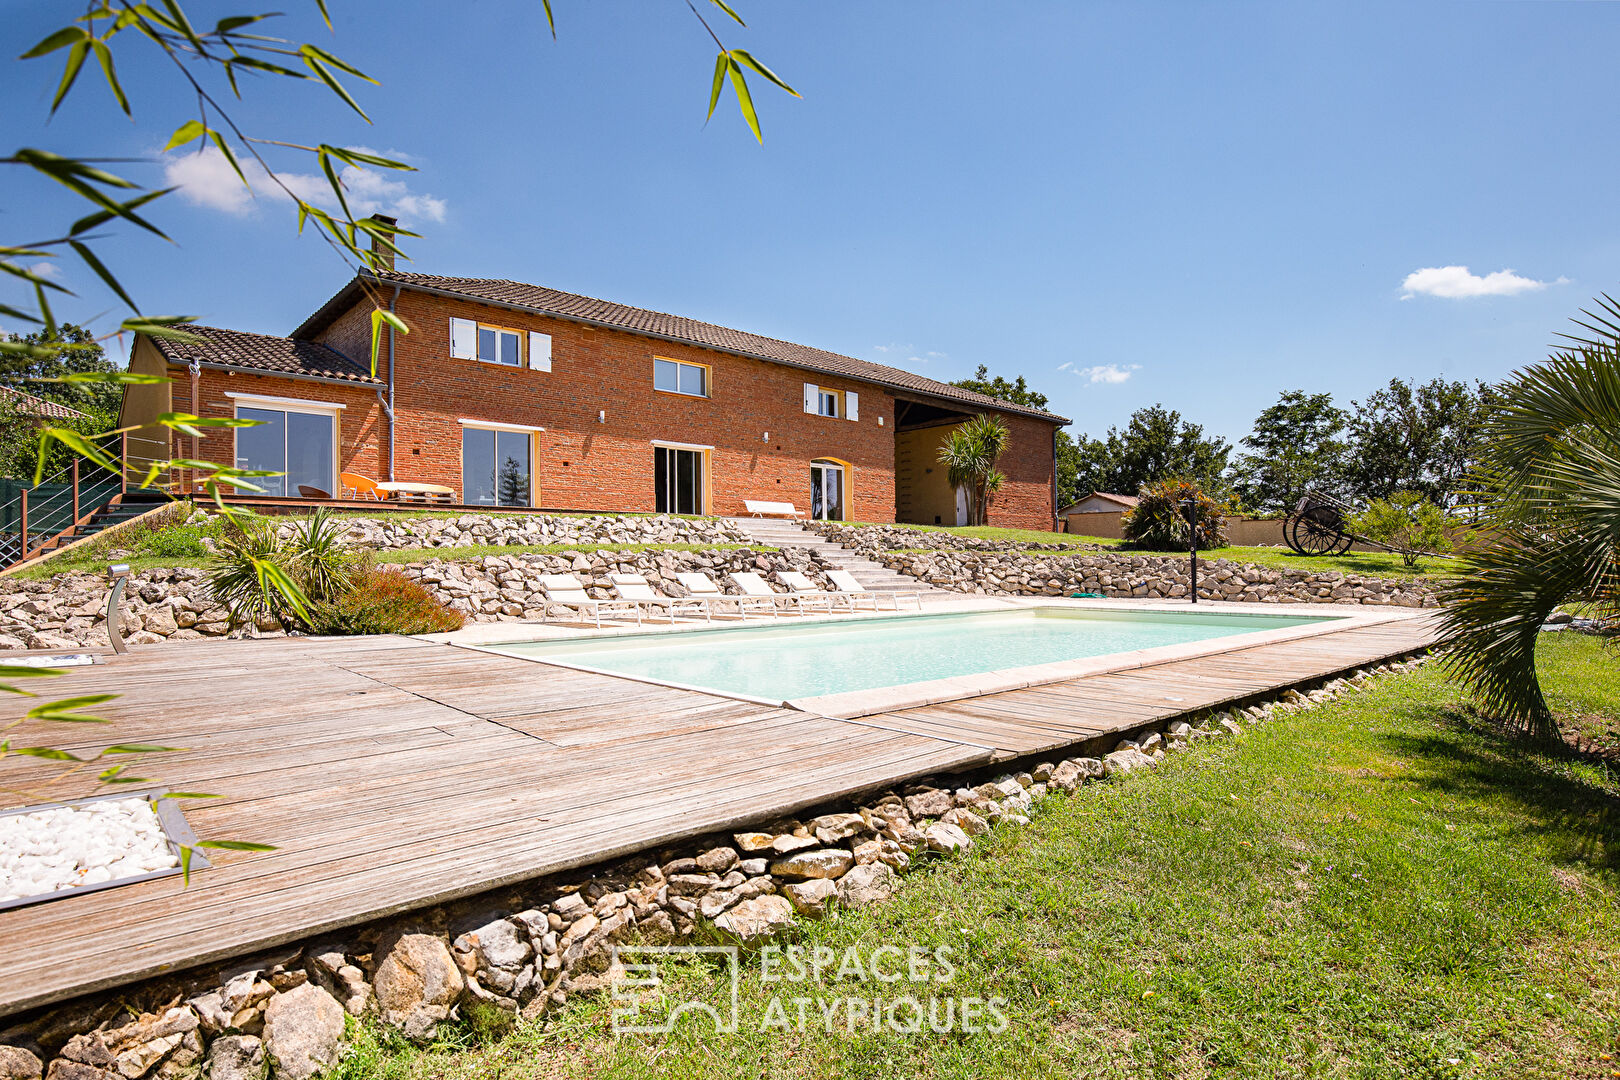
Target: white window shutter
852	404
812	403
463	337
539	351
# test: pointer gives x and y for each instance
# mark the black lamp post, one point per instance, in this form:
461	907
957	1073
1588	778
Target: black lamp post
1192	515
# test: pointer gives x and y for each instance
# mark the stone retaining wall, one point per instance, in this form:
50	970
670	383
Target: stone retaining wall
390	532
523	951
67	611
974	565
1148	576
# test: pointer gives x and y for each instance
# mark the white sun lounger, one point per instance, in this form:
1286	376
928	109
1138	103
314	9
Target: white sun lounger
637	590
704	587
845	583
565	591
758	588
809	592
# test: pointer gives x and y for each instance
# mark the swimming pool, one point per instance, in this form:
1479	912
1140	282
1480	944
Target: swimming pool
784	662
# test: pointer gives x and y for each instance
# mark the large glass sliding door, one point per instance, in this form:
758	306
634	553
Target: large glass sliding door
677	480
302	446
496	467
826	491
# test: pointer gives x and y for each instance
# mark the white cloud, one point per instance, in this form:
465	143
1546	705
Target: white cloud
205	178
1067	365
909	354
1457	283
1103	373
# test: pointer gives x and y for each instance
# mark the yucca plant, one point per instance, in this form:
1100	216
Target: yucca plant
1161	519
319	562
969	454
1549	488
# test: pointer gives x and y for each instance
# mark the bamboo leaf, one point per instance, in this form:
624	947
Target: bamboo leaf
745	100
70	72
723	6
188	795
101	217
331	82
79	444
551	20
70	704
46	752
101	271
235	845
747	58
138	748
186	132
59	40
109	378
105	58
720	63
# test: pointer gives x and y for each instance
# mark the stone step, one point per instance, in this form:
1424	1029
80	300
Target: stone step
871	575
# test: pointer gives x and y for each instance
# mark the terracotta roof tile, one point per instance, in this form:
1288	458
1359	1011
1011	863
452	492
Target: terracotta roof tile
31	405
572	306
263	352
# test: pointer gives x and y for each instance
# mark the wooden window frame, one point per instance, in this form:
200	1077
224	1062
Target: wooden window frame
708	378
522	345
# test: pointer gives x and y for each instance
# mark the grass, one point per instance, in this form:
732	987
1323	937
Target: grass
1380	887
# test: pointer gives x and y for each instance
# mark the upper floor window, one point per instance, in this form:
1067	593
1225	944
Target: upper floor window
676	377
497	346
471	340
825	401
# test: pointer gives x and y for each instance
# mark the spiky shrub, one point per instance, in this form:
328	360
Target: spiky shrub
1161	520
254	572
1407	522
385	602
236	572
319	562
1548	490
969	454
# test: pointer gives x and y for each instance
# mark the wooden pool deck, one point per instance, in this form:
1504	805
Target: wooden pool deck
394	773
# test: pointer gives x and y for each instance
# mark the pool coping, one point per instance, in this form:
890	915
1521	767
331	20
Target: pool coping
855	704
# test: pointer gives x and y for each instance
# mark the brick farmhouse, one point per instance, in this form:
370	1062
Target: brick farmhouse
518	395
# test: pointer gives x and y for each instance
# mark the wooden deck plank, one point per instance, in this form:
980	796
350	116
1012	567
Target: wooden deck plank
394	774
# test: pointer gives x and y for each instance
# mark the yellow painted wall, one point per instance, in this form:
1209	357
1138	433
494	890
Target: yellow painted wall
923	495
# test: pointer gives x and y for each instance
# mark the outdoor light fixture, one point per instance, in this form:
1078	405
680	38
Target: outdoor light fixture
1191	504
767	436
118	573
601	416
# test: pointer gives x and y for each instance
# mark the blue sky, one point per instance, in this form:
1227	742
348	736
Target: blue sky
1194	204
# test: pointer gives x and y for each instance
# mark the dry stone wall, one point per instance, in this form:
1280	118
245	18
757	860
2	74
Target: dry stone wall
523	951
68	611
999	567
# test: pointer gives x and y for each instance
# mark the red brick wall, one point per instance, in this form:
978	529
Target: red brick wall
587	464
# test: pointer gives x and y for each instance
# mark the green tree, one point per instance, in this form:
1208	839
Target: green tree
1157	444
68	349
1547	486
1421	437
1294	447
1407	522
969	454
1018	393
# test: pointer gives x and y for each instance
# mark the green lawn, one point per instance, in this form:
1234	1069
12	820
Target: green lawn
1370	889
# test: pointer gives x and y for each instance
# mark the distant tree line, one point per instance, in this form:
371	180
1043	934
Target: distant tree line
1404	437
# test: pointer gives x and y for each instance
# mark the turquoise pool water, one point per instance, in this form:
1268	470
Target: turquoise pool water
781	661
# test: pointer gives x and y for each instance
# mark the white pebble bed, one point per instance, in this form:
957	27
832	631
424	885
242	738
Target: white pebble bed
71	846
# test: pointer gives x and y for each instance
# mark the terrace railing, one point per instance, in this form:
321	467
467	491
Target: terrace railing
31	515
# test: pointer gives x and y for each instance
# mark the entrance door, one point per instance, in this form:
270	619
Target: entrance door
678	480
826	491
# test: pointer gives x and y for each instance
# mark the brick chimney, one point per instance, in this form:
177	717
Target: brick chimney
385	257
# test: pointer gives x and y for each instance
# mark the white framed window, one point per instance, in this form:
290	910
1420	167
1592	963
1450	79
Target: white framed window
497	464
501	345
826	401
680	377
293	437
